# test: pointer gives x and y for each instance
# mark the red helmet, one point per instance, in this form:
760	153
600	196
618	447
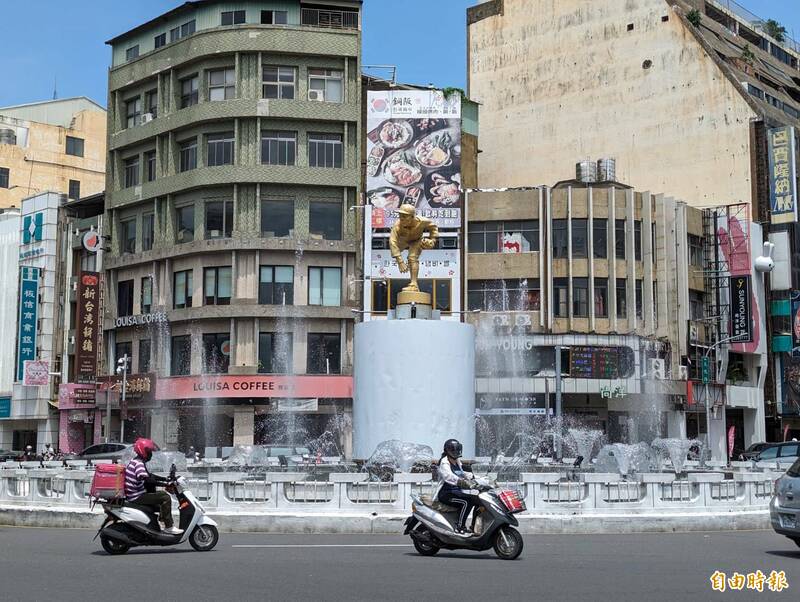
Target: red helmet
144	448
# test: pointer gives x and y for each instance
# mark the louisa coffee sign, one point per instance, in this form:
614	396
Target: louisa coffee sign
199	387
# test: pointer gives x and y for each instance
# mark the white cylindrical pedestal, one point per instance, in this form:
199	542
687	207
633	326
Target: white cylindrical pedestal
415	382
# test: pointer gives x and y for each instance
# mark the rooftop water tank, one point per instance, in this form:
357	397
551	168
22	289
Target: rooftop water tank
606	170
8	136
586	171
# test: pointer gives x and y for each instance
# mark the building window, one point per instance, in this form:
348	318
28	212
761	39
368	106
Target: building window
619	238
5	175
150	165
278	148
88	261
74	189
188	153
278	82
219	219
695	251
182	289
384	293
504	295
324	353
325	286
622	298
338	19
325	84
133	112
232	17
277	218
561	297
276	285
187	29
580	238
601	297
148	227
184	218
504	237
220	149
325	220
325	150
696	305
600	238
216	353
147	295
639	300
160	40
275	352
181	355
189	94
560	238
222	84
274	17
151	103
125	298
122	350
580	297
144	355
127	235
132	53
637	240
74	146
217	284
131	170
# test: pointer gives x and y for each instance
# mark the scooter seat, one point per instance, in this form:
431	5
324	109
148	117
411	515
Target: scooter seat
437	505
144	508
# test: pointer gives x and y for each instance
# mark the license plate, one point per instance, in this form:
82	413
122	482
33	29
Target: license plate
788	521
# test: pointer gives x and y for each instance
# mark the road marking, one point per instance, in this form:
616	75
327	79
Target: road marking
326	545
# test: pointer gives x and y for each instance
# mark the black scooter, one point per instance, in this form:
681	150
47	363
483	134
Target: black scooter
432	524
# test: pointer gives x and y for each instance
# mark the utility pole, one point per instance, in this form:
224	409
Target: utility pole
122	368
558	401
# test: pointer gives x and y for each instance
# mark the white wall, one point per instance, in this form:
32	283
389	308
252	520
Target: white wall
9	275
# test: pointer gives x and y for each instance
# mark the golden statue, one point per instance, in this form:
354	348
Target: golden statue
407	234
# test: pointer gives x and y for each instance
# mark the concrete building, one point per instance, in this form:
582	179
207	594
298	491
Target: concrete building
233	152
52	146
9	281
684	94
610	284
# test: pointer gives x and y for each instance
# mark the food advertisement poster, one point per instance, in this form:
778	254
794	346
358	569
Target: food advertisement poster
414	155
86	334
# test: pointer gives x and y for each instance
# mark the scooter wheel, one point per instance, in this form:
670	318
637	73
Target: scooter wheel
204	538
114	547
508	543
425	549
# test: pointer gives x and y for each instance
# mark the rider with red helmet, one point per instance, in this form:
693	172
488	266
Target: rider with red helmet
138	481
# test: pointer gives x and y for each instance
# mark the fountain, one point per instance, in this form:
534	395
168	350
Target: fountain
625	458
583	441
393	455
677	450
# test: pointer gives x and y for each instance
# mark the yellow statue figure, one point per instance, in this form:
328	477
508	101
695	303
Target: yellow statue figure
407	234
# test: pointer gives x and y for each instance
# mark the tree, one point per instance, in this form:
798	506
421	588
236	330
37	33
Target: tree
694	17
747	55
775	30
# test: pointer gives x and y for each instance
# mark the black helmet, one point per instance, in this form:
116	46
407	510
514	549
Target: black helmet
453	448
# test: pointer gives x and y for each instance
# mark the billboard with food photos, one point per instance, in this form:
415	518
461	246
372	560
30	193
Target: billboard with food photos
414	155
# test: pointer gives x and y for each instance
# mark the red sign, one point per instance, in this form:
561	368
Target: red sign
731	437
200	387
72	395
87	330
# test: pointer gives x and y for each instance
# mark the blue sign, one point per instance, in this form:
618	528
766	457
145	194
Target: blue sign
782	175
28	314
5	407
32	226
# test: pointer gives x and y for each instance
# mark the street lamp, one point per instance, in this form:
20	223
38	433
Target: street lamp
122	368
705	385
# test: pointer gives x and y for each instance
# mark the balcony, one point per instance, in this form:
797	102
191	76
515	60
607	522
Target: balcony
332	19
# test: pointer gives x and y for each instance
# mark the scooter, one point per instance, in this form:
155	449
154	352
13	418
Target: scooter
129	525
432	524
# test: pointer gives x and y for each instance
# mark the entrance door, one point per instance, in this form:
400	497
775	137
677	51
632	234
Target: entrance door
23	439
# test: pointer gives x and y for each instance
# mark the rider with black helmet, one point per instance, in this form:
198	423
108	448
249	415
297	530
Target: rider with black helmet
455	483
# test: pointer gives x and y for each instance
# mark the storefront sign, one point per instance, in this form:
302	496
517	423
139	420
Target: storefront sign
601	362
782	174
141	319
32	228
37	373
512	412
139	388
28	318
414	155
73	394
741	311
613	392
298	405
437	263
201	387
86	333
5	407
92	241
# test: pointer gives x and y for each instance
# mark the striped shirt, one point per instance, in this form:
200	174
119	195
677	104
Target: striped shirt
135	474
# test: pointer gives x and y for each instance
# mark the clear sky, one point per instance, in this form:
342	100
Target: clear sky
426	39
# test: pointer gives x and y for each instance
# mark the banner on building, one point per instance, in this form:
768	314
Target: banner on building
5	407
414	155
87	331
741	327
298	405
731	439
782	149
37	373
28	318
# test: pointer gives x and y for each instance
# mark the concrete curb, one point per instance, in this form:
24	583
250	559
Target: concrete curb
374	523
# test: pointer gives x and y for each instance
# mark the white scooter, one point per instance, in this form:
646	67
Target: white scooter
129	525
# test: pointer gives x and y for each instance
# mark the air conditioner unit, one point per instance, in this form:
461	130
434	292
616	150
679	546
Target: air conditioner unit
450	242
146	117
316	95
683	372
655	368
216	233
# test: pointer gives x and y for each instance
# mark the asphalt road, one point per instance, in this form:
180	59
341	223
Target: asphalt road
54	564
